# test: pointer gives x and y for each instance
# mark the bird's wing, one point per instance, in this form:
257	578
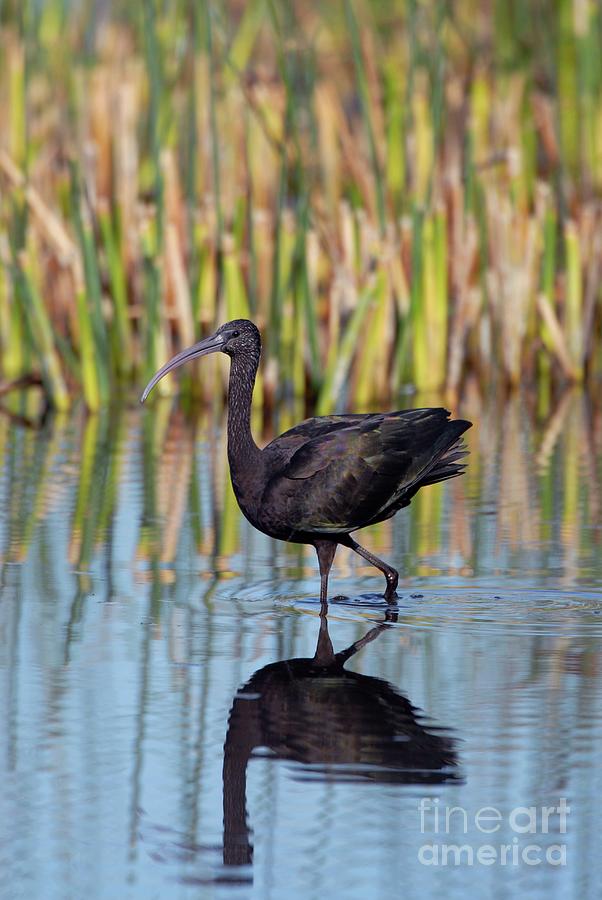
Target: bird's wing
344	477
310	429
313	444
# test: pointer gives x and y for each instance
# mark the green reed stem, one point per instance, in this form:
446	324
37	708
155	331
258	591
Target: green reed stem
213	121
40	328
338	369
121	331
364	93
574	297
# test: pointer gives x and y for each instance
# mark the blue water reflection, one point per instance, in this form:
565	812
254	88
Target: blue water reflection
138	614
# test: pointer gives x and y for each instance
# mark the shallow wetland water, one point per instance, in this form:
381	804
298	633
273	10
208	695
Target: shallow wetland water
147	693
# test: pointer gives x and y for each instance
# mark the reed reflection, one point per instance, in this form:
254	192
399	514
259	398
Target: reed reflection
162	478
342	724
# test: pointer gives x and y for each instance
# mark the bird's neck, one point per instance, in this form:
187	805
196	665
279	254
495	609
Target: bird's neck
243	452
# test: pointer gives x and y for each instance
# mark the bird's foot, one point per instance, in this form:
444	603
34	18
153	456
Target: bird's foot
391	589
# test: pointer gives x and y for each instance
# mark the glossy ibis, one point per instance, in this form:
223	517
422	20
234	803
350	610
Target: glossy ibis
329	476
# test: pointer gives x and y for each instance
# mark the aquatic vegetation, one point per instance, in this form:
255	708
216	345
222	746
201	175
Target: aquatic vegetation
426	174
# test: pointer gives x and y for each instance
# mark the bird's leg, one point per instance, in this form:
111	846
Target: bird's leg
326	551
389	572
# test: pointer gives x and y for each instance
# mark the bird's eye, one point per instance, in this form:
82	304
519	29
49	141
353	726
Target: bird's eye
235	334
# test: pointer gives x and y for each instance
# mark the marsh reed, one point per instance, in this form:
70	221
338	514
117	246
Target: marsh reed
398	193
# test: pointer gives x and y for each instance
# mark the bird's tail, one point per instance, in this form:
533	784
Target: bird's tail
448	465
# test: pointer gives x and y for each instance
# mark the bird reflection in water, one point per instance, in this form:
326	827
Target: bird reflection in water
342	724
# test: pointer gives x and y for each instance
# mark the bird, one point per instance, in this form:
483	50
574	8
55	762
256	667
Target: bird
329	476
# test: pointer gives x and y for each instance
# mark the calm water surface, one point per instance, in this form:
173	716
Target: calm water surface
166	731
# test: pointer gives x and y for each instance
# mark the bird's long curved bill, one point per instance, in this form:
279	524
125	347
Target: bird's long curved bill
208	345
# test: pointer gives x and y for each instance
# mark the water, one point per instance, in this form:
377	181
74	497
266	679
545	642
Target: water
138	614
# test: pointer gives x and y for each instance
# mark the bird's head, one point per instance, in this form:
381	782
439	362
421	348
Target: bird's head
237	337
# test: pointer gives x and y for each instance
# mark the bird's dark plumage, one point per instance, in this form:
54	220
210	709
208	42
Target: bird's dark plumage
332	475
341	473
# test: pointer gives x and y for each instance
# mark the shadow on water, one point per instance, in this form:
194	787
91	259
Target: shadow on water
341	724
